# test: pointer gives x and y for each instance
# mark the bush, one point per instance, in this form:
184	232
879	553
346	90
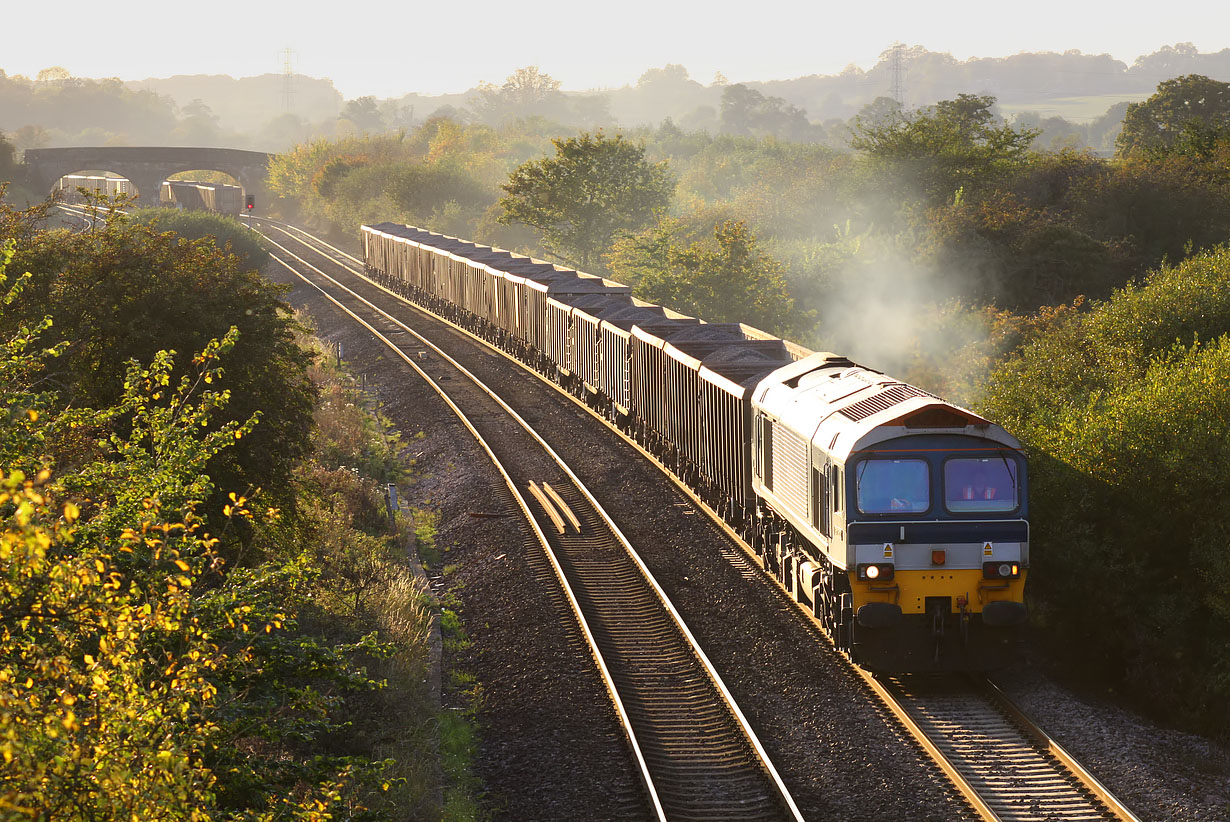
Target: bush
228	233
143	678
1125	412
125	291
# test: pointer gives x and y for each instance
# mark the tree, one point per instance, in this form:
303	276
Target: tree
1189	107
727	280
136	681
125	291
1124	409
527	92
31	136
594	188
199	126
54	74
672	74
881	111
9	170
364	113
747	112
933	153
527	86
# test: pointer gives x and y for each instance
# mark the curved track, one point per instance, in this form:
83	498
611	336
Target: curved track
698	756
1005	766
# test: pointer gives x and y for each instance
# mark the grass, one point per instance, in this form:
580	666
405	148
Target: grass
458	722
458	744
424	522
1074	109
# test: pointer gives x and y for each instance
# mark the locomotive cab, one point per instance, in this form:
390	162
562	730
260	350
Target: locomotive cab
898	519
937	553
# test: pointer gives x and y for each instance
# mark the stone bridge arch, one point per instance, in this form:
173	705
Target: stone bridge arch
148	166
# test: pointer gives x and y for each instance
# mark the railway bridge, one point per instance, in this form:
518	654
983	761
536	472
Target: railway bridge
146	167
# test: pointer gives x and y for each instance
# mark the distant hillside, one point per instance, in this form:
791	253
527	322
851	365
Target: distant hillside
1045	83
248	103
1089	91
1018	82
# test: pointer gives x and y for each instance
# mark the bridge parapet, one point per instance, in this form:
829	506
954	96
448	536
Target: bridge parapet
148	166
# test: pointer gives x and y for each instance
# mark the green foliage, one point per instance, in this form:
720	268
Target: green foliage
1018	255
124	292
746	112
728	280
1184	113
79	111
227	233
458	740
527	92
442	176
1125	411
9	170
946	206
103	676
364	114
530	95
933	153
105	668
593	189
140	677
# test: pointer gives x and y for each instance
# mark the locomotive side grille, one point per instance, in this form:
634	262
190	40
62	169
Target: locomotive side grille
880	402
789	469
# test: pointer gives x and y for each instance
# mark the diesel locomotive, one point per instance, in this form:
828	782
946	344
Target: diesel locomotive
898	520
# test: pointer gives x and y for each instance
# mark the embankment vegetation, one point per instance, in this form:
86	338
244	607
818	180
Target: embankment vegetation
1125	410
198	620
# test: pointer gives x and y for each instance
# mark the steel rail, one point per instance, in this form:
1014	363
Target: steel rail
995	751
526	512
724	693
1044	740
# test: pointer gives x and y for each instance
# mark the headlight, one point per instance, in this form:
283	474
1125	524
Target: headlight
875	572
1001	570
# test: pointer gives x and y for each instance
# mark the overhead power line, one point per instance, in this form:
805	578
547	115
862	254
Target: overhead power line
896	69
288	78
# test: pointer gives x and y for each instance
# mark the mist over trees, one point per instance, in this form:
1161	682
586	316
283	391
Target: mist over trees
1072	99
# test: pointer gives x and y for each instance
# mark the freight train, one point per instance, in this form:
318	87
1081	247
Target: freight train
185	194
197	196
71	184
898	520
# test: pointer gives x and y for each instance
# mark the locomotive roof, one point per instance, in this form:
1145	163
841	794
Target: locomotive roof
843	407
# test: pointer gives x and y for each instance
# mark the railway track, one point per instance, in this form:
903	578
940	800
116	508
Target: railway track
698	756
1004	766
1007	768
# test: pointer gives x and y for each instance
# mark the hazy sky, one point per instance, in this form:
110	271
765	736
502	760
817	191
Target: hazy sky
390	48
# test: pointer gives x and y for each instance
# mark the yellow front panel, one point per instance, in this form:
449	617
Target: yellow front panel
910	589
